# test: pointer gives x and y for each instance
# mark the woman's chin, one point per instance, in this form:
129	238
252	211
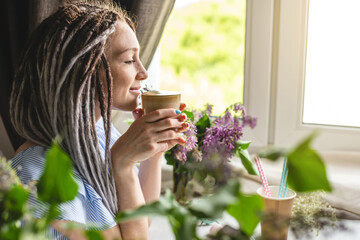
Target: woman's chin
126	108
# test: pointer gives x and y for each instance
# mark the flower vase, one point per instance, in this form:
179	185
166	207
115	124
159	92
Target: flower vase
180	179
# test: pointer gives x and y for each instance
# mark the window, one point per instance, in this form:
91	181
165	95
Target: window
280	62
202	52
332	79
281	57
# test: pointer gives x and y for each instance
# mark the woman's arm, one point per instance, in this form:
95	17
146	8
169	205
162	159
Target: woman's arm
148	136
130	196
150	170
150	178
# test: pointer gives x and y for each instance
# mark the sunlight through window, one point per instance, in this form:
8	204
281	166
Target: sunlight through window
203	50
332	82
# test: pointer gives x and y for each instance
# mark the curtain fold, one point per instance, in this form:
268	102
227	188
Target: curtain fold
19	18
151	17
14	19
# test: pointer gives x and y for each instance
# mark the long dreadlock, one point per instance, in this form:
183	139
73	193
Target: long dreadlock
56	85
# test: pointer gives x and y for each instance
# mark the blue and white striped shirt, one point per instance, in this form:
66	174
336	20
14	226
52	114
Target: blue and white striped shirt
87	208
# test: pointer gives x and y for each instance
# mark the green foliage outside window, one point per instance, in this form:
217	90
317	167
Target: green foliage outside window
202	53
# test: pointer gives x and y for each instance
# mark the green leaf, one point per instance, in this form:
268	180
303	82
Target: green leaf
187	229
273	153
52	213
247	211
158	208
203	124
56	184
129	121
15	203
189	115
213	206
242	144
93	235
180	219
169	156
306	169
246	161
10	231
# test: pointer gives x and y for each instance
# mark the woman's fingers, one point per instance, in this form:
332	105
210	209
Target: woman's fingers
184	127
170	123
182	106
138	113
167	135
172	143
161	114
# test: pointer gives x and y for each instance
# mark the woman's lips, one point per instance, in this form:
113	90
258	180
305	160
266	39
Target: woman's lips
135	90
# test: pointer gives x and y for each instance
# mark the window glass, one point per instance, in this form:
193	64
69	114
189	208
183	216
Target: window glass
332	82
202	52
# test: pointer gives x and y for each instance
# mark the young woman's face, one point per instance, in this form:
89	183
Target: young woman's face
125	66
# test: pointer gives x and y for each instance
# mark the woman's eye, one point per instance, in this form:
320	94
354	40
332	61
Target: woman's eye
130	62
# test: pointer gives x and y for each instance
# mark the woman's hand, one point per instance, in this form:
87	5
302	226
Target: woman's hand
150	134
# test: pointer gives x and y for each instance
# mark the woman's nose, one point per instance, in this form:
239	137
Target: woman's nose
142	74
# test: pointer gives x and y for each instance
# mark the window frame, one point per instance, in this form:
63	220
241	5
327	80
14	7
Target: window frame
276	38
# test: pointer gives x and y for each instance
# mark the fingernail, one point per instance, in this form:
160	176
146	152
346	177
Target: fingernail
182	140
185	125
182	117
178	111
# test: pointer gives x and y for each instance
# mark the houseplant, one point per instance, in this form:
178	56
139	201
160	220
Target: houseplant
202	164
306	173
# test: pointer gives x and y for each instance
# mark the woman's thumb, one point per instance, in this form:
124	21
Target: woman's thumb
137	113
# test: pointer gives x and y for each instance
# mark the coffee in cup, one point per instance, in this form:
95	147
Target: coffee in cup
153	100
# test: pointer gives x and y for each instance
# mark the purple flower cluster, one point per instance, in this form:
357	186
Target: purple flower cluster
250	121
221	137
208	109
246	119
191	143
237	107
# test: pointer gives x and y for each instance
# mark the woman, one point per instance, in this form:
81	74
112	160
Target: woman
80	63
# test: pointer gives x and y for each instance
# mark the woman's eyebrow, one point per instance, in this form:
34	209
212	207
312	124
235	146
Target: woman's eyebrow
135	49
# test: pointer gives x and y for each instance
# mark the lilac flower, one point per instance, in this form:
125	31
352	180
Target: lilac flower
250	121
197	115
220	137
238	107
208	109
226	120
191	143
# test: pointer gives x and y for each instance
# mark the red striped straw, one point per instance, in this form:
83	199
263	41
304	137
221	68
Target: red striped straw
262	177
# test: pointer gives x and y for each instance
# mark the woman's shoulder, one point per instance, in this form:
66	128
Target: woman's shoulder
29	163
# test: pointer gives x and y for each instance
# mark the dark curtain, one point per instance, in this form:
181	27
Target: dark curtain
19	18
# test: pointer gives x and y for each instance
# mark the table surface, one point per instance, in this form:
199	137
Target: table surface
161	230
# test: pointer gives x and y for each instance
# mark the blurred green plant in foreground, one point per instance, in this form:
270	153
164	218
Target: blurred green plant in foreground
57	186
